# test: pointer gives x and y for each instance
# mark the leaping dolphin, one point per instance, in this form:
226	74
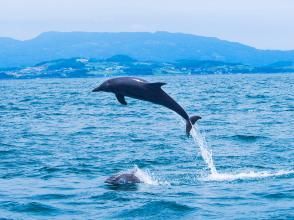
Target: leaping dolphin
141	89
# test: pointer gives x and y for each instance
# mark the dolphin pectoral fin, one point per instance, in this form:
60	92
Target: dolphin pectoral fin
156	85
121	99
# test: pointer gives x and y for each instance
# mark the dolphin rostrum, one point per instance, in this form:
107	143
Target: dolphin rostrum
141	89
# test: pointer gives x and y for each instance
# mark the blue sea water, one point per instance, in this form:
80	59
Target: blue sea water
59	142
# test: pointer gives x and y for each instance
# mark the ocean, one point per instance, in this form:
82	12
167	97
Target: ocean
59	142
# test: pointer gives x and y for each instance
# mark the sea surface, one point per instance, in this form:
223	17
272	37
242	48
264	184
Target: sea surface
59	142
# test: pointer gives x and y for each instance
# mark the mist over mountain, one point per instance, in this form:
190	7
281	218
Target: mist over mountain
158	46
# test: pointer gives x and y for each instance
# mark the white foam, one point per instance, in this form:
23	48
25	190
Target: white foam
146	177
245	175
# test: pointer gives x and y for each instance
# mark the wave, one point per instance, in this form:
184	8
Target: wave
33	207
160	209
245	175
248	138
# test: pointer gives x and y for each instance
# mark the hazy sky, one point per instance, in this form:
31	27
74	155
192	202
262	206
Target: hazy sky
265	24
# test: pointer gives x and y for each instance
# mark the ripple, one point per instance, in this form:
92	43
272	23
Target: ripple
247	138
52	197
258	96
279	195
33	207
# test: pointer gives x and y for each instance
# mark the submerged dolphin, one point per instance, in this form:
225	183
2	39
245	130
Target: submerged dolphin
141	89
125	178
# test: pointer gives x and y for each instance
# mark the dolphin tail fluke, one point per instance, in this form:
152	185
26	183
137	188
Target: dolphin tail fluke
189	123
193	119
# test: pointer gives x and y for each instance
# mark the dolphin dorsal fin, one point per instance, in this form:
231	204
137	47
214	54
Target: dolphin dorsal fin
121	99
156	85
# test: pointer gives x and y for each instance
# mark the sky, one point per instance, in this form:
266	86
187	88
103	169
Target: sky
264	24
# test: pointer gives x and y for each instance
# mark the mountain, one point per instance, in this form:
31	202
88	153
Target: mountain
158	46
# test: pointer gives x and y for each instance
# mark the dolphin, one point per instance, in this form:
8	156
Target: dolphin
148	91
124	178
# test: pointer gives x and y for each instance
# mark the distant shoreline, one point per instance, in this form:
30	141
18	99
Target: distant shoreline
119	65
171	75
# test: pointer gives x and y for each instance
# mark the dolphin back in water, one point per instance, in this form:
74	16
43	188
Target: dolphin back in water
124	178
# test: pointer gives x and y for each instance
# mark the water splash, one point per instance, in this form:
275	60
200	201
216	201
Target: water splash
206	153
143	176
147	177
